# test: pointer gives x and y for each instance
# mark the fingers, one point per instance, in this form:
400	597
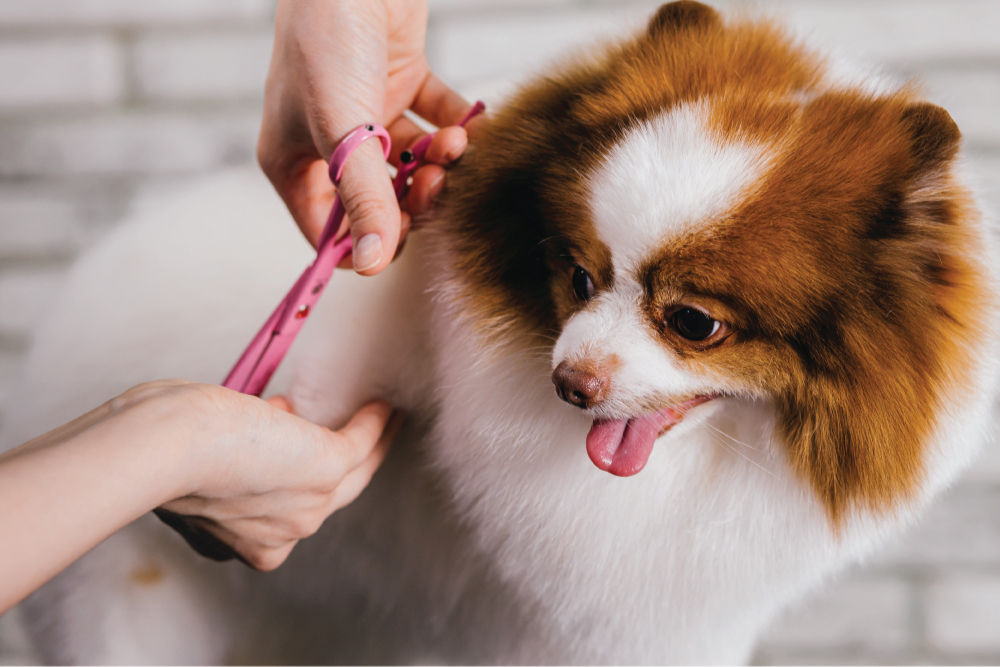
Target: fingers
427	184
438	103
405	222
404	133
368	197
358	479
267	559
446	146
261	528
366	192
307	193
361	436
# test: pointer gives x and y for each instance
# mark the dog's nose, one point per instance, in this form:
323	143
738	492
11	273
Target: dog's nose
579	387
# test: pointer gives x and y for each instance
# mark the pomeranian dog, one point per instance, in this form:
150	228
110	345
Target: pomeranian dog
756	281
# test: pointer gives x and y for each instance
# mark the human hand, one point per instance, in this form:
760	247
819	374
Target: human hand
256	478
336	65
237	474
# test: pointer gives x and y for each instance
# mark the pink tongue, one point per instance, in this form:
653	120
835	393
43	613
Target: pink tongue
622	446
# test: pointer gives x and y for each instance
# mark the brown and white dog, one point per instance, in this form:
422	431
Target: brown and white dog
762	292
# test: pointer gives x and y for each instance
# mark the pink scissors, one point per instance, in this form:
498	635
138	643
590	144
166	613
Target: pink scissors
259	360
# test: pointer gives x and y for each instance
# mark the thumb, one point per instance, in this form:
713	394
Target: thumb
367	431
372	209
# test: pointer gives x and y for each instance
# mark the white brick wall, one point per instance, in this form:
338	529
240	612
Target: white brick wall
60	71
102	99
865	614
211	65
962	614
128	142
24	293
47	14
37	224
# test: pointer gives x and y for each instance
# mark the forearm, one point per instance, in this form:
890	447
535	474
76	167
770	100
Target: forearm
64	492
256	477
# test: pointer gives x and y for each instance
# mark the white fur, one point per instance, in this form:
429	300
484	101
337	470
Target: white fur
668	175
488	536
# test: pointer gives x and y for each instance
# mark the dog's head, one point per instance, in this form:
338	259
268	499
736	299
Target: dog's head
704	212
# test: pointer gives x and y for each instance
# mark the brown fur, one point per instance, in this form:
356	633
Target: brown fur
834	282
845	275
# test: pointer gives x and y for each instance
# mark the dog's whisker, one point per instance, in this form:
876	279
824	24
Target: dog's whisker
745	457
730	437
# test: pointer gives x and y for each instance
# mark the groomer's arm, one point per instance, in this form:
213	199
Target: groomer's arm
257	477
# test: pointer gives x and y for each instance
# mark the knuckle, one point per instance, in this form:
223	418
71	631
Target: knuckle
266	560
301	527
266	158
313	524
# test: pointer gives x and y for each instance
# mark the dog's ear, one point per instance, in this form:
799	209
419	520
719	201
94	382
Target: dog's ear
934	136
679	15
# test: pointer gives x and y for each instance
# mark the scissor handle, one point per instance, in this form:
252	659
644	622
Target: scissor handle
261	357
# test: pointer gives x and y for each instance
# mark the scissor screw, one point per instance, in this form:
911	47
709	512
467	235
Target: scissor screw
302	312
406	157
370	128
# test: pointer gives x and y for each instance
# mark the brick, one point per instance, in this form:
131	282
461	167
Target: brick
211	65
963	613
898	31
438	7
67	70
134	142
18	13
470	44
859	614
36	223
23	296
972	96
960	528
466	49
771	655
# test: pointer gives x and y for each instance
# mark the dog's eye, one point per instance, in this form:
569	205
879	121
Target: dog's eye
693	324
583	286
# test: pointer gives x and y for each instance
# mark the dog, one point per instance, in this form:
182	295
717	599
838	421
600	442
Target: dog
698	322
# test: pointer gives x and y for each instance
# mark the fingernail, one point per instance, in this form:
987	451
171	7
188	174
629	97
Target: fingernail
367	252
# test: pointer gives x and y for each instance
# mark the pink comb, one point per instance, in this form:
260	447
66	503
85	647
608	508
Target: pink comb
259	360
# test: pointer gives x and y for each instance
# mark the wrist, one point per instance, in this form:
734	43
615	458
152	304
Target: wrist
155	423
